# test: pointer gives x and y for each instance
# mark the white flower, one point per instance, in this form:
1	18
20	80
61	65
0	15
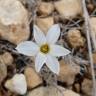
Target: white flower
45	50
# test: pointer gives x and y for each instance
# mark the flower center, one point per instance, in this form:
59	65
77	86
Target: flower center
44	48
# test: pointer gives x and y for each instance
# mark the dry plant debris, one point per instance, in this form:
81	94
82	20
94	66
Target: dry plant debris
17	18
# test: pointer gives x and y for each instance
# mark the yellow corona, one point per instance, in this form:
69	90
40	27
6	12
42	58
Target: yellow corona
44	48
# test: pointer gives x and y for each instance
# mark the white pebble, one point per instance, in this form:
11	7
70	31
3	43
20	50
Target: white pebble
17	84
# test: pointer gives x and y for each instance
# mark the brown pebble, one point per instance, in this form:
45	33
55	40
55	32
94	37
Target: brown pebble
7	58
75	38
45	23
45	8
13	16
68	72
33	79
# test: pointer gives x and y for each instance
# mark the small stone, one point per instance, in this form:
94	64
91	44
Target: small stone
7	58
32	78
13	21
75	38
17	84
93	24
68	72
12	12
70	93
69	8
43	91
90	6
94	58
87	87
45	8
3	71
45	23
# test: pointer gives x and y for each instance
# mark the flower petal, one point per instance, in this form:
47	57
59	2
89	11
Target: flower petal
39	36
28	48
56	50
39	61
53	64
53	34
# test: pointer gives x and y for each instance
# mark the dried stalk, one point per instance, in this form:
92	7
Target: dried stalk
88	30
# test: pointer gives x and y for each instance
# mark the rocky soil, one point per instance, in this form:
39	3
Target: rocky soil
17	18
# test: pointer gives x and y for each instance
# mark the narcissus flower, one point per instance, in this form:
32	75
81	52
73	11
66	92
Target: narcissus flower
45	50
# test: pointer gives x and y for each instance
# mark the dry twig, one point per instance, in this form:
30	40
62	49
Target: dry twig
88	29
